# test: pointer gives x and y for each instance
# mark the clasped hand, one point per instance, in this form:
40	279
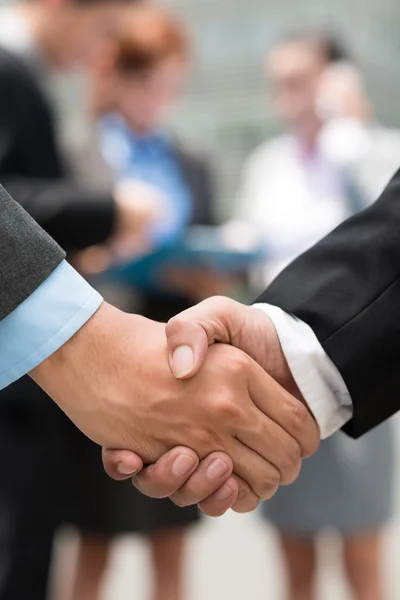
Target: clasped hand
290	435
215	427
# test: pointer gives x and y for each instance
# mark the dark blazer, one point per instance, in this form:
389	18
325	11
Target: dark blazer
31	168
197	174
27	255
347	288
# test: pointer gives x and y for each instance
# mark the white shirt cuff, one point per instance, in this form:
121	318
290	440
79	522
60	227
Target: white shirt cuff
317	377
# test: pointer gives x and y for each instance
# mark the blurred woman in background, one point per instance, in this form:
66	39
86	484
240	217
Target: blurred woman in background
137	80
333	162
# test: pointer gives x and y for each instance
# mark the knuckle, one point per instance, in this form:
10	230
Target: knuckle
291	468
212	508
291	462
212	441
191	493
146	488
179	500
246	502
291	476
269	485
176	324
316	442
221	303
238	363
313	443
220	455
206	440
245	494
227	408
299	415
294	454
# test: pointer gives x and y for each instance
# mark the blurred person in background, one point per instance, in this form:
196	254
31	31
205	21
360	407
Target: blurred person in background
136	81
36	38
333	161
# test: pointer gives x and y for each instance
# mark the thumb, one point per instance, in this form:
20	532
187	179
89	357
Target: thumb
121	464
190	333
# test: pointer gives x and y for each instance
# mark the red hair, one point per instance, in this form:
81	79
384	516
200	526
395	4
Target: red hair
147	36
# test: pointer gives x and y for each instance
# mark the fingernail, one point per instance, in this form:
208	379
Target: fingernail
224	492
182	361
123	469
182	465
217	469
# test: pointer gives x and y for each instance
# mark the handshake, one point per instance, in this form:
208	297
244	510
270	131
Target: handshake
207	402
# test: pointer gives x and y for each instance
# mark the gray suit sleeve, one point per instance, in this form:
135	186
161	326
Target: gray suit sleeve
28	255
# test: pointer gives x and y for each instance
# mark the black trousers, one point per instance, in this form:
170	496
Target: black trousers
34	489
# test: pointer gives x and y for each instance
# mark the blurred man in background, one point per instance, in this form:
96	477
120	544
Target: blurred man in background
36	38
333	162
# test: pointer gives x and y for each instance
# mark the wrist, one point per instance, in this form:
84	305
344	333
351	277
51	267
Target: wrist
76	351
275	362
282	373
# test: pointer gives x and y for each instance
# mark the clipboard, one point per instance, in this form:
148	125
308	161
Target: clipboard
226	249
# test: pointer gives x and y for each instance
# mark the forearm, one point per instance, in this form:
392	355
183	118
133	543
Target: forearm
43	301
75	216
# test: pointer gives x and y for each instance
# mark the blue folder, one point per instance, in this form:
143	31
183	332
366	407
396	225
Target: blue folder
202	247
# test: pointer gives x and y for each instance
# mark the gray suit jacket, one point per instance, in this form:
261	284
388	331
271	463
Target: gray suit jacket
27	254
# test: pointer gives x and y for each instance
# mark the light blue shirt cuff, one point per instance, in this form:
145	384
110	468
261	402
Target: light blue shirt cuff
45	321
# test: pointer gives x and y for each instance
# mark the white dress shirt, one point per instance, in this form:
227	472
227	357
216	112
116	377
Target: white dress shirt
317	377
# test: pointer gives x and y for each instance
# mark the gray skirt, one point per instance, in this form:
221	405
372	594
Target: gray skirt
348	485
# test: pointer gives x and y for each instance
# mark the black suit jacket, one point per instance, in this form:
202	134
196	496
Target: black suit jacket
31	168
197	175
347	288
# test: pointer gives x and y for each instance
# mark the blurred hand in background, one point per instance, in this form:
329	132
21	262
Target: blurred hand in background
341	93
200	283
139	208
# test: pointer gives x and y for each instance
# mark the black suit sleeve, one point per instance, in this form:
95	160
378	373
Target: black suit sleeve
206	189
198	175
31	169
27	255
347	288
73	215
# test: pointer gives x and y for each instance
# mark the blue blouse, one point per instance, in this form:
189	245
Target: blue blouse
150	159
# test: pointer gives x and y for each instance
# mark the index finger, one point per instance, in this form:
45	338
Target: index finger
168	474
